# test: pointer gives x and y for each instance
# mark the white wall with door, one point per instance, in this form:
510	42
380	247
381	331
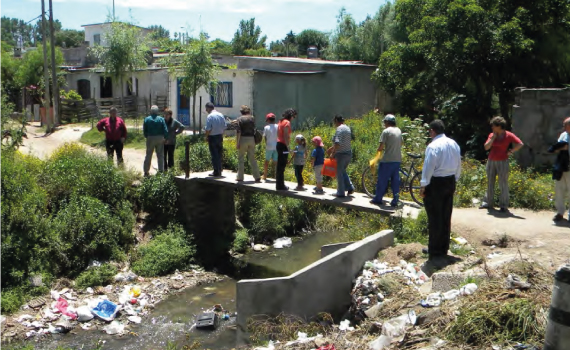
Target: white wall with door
235	87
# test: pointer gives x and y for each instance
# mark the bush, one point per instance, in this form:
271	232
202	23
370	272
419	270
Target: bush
96	276
158	195
409	230
87	229
169	250
241	241
12	299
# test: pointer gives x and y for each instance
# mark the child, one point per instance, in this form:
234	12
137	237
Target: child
270	135
299	156
318	156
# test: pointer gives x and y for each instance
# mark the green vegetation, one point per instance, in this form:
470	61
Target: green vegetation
158	196
408	230
96	276
285	327
135	138
241	241
172	248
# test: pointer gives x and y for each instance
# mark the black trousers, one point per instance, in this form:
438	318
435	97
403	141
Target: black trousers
438	202
112	147
216	145
168	156
282	159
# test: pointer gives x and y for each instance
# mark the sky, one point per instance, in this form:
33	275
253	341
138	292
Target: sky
218	18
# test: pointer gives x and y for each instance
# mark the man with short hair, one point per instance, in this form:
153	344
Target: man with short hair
441	170
562	185
215	126
389	166
156	133
342	152
115	134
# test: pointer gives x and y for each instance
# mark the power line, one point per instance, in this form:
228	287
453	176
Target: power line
33	19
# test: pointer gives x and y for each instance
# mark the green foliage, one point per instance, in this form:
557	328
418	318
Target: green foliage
158	32
247	37
408	230
12	26
96	276
69	38
169	250
309	37
241	241
221	47
14	127
12	299
158	195
94	138
258	52
31	70
70	95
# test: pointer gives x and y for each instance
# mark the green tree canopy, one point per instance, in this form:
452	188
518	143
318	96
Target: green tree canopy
38	29
248	37
310	37
69	38
13	27
158	32
221	47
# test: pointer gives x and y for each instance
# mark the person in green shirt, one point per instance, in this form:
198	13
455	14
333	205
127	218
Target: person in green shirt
156	133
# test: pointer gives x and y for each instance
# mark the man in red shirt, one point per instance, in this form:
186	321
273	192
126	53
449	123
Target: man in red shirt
115	134
499	142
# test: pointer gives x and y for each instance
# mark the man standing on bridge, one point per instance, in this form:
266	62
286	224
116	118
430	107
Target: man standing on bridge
215	126
441	170
389	166
115	134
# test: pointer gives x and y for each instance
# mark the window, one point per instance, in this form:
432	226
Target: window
106	87
222	95
84	88
97	39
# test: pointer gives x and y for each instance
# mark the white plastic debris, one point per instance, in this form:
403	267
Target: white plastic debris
269	346
54	294
177	277
345	326
283	242
393	328
432	300
69	296
135	319
89	290
24	317
493	255
459	240
120	277
380	343
114	327
84	314
451	294
468	289
303	339
86	326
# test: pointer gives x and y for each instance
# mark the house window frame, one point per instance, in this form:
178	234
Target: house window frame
97	39
230	98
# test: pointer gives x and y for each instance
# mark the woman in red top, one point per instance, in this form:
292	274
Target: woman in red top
499	142
283	138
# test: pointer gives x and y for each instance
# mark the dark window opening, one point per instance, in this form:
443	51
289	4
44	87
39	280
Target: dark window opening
106	87
84	88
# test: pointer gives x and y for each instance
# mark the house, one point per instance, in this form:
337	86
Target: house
95	33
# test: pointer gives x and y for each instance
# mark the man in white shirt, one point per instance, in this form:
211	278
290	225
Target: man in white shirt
441	170
562	185
270	135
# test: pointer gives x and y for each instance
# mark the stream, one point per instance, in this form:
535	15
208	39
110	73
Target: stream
172	320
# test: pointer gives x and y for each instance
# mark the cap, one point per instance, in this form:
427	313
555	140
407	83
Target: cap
390	118
299	137
318	140
270	116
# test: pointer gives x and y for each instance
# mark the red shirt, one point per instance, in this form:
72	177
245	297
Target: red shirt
283	124
500	146
114	130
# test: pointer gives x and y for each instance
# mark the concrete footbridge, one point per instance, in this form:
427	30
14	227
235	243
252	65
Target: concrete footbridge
357	201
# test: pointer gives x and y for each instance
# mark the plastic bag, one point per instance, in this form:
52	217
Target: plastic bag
329	167
345	326
136	291
62	306
84	314
283	242
468	289
114	327
106	310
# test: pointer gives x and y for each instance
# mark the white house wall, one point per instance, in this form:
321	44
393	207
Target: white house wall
242	87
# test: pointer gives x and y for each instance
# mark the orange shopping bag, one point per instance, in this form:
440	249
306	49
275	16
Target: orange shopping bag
329	168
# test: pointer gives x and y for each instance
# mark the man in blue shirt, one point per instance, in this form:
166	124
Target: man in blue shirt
215	126
155	132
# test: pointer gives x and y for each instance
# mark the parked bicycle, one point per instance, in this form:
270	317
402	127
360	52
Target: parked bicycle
410	179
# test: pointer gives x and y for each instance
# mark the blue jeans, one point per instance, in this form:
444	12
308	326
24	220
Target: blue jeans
342	179
216	145
389	171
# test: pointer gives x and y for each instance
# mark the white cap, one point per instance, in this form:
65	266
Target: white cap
299	137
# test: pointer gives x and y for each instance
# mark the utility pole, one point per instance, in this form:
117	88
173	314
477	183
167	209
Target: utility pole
53	68
46	73
113	10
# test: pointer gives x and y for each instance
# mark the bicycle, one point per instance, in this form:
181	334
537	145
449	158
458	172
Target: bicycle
409	180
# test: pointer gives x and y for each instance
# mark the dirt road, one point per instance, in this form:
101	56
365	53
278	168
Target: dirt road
43	146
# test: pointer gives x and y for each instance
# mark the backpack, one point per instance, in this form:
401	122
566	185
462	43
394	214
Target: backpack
258	137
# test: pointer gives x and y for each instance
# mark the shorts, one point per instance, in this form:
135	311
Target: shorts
318	173
271	155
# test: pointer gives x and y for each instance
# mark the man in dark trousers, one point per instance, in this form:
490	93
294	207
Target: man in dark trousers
115	134
441	170
215	126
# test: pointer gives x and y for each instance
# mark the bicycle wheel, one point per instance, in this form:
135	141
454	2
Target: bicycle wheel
369	178
414	189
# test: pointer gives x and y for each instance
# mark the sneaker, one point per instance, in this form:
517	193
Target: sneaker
484	206
558	217
317	191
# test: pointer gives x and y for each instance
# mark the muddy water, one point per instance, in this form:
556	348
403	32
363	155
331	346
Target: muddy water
172	320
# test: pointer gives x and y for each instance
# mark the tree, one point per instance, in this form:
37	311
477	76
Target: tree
69	38
158	32
221	47
247	37
310	37
10	66
467	56
38	29
196	69
125	52
12	28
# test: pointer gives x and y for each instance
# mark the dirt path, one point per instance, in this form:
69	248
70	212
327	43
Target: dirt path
532	232
43	146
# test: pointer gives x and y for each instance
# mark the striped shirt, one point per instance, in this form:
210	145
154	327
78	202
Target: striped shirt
342	138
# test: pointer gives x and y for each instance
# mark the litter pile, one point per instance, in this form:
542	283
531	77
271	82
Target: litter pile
110	309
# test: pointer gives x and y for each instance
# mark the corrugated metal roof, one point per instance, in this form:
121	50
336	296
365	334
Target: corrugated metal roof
308	60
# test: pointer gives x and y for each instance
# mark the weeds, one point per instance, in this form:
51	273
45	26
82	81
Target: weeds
241	241
96	276
285	327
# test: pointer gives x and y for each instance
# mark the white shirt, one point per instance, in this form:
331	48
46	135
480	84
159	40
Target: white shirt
564	137
270	133
443	158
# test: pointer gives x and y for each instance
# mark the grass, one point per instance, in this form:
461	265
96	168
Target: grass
285	327
94	138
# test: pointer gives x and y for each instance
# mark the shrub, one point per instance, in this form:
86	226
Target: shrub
12	299
87	230
159	195
407	230
241	241
169	250
96	276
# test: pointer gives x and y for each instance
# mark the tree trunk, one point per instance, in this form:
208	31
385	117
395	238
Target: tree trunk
123	99
194	113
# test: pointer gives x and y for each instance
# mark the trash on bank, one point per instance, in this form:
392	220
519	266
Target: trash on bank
106	310
84	314
283	242
270	346
62	306
393	328
303	339
134	319
345	326
114	327
207	320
